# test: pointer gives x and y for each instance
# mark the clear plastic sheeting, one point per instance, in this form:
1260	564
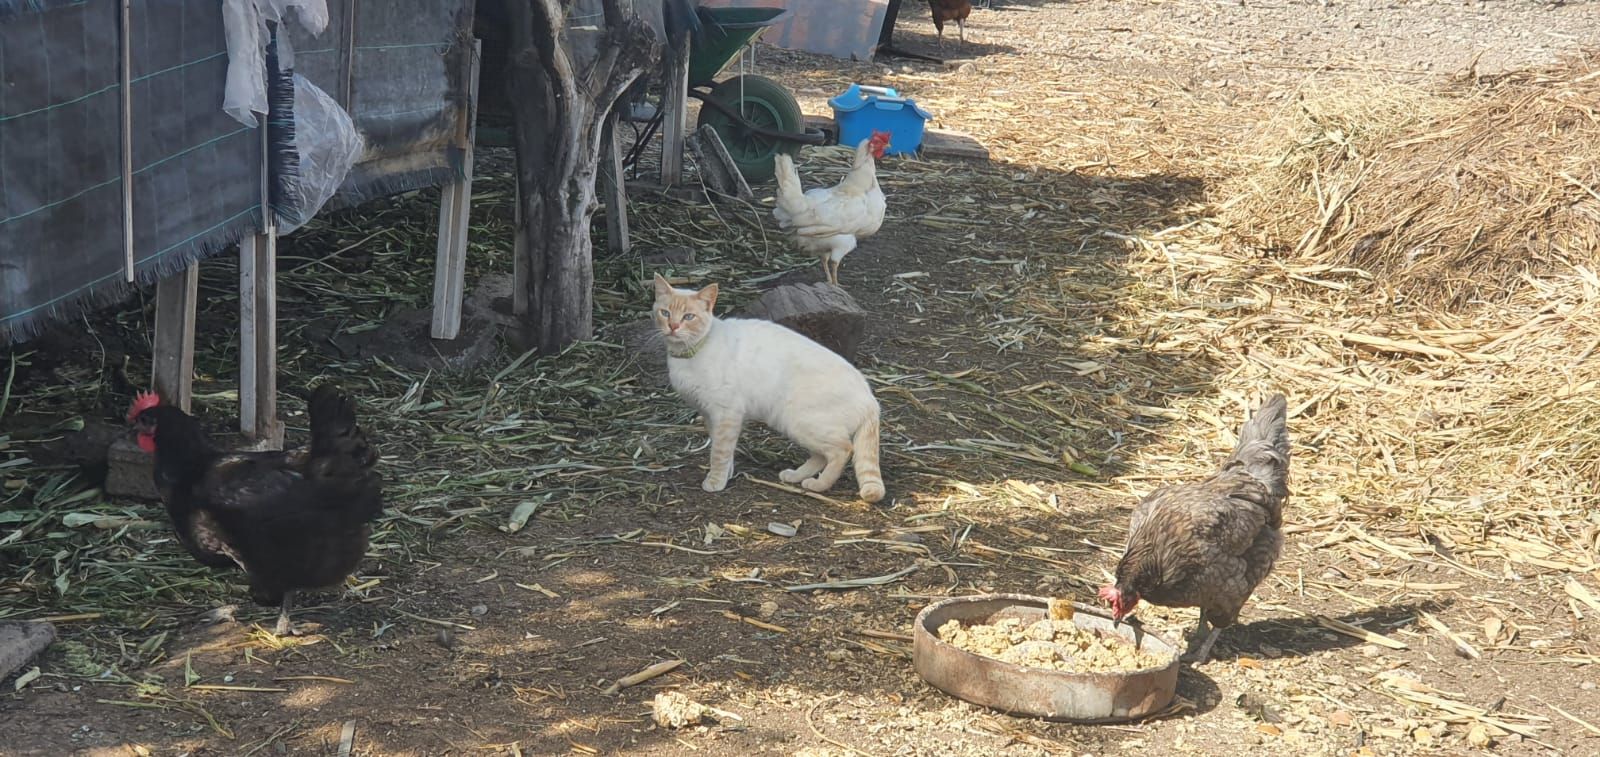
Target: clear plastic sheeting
245	24
327	144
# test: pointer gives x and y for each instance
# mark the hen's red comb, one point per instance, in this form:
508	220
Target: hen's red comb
144	401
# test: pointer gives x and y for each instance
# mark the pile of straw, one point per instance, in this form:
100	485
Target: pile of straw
1446	196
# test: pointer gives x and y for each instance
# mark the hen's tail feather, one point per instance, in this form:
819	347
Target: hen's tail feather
791	201
340	453
1263	447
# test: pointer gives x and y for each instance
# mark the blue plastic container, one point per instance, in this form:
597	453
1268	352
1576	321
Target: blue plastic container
861	110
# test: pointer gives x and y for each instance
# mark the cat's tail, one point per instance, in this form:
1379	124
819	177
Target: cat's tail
868	475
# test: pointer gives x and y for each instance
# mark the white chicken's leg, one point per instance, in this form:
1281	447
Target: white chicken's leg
284	627
827	274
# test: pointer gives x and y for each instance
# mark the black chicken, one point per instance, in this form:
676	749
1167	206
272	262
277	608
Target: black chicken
291	520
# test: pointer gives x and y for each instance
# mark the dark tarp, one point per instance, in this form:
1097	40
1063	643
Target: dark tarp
401	72
197	180
196	172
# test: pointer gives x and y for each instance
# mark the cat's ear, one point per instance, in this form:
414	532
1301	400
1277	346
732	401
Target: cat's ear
663	288
708	295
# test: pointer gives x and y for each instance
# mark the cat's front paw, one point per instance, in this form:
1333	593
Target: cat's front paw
815	485
714	483
790	476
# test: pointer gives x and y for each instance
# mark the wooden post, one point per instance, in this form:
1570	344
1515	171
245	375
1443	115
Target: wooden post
258	341
675	110
173	370
126	43
455	215
615	187
258	325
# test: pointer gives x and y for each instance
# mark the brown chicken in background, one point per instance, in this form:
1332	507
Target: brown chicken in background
1208	544
945	11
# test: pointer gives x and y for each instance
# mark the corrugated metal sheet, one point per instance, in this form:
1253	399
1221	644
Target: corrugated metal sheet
841	28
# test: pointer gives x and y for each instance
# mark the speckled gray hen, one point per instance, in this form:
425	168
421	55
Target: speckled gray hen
1208	544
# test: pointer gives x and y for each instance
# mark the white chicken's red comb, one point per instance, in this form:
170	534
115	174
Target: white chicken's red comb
142	402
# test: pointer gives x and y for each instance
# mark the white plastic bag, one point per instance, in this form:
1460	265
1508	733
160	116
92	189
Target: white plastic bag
328	144
245	24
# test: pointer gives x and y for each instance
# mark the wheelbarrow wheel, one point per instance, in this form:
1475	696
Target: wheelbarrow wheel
762	102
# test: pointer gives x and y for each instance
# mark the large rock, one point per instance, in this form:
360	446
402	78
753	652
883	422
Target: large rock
823	312
20	642
130	471
647	351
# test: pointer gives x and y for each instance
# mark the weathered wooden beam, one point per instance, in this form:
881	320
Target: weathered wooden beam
258	340
675	110
717	168
614	186
455	216
172	372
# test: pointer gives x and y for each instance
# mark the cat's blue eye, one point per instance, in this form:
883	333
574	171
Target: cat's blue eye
664	313
688	316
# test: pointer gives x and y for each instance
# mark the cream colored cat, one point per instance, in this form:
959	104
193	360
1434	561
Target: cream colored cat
743	369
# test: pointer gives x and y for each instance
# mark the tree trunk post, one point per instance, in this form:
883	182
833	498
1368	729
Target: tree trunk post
561	113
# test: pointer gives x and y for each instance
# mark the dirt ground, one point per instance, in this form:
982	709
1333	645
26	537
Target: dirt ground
1019	404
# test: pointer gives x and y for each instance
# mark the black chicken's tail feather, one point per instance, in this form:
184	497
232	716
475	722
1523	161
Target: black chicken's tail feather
340	453
1263	447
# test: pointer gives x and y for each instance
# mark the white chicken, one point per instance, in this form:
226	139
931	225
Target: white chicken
828	221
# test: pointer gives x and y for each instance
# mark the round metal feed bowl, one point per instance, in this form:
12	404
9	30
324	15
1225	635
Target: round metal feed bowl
1037	692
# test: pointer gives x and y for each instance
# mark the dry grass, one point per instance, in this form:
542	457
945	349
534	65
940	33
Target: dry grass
1431	307
1445	196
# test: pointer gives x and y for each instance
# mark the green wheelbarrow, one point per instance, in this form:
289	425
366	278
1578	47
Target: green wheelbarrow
755	117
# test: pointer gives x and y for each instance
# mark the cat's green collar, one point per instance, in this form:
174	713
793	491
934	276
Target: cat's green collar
689	353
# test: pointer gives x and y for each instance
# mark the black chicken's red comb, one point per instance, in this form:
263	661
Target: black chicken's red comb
142	402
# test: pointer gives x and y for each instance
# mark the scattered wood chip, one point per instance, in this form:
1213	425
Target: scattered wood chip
731	615
855	583
1463	648
653	671
1358	632
1492	627
539	588
347	738
225	687
782	529
1581	593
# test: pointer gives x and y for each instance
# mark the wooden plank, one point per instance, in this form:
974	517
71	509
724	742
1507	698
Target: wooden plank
717	169
258	341
126	43
614	185
675	110
938	143
173	372
455	216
